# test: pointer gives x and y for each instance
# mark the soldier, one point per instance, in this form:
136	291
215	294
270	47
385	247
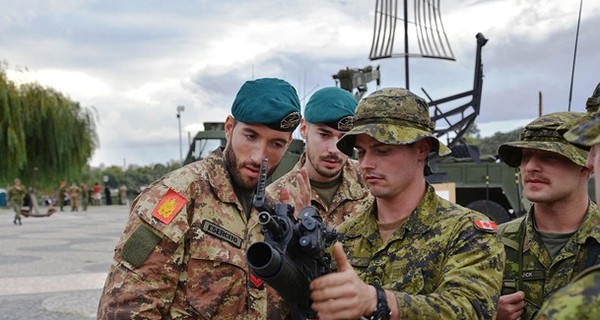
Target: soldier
557	238
85	196
412	254
62	194
123	194
581	298
16	195
337	190
74	193
183	252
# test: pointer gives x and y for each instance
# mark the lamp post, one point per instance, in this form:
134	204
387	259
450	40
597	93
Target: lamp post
179	111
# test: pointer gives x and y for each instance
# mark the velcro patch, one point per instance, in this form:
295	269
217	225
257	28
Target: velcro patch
169	206
221	233
139	245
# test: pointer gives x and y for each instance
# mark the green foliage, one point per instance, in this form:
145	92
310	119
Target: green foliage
489	145
43	134
135	177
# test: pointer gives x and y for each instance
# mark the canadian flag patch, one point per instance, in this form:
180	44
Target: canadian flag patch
485	225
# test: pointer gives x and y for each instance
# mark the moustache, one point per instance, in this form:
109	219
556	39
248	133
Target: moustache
530	177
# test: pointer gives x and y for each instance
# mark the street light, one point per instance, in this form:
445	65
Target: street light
179	111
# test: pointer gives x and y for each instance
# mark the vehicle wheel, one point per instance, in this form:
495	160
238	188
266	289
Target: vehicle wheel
491	209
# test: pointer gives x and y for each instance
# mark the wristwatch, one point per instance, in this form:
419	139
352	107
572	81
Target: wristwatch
383	311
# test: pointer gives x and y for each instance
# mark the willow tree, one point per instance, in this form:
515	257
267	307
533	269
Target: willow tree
43	130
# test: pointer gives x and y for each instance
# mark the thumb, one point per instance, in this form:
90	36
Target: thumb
340	257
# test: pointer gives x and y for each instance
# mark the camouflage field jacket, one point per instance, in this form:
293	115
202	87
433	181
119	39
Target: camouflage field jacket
541	276
443	262
579	300
183	252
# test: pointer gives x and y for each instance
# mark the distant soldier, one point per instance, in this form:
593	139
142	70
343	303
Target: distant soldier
74	194
123	194
16	194
62	194
85	196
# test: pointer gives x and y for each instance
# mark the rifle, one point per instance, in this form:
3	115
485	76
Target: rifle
293	253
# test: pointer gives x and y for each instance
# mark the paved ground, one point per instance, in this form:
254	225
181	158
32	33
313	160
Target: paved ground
54	267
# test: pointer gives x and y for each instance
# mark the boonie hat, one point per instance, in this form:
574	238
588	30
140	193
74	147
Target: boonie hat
332	106
269	101
546	133
587	132
593	102
392	116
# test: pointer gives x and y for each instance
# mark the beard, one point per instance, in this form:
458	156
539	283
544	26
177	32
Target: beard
233	166
231	162
315	162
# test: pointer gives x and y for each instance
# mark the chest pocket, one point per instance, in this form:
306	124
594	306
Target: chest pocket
216	276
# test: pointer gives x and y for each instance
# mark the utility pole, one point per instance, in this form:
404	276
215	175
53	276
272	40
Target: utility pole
179	111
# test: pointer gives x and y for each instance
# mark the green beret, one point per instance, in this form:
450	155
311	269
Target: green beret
269	101
546	133
332	106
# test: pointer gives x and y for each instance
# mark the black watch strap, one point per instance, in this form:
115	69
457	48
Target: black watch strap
383	310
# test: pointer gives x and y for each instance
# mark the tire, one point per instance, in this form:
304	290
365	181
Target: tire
491	209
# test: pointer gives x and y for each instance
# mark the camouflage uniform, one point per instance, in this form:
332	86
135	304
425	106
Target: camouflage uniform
15	199
195	266
540	275
439	263
183	251
580	300
444	261
529	266
352	196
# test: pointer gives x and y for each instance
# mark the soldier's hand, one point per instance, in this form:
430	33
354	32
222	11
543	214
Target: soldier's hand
511	306
342	295
302	198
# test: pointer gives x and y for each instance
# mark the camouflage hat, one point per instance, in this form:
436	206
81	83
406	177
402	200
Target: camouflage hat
586	133
593	102
269	101
546	133
332	106
392	116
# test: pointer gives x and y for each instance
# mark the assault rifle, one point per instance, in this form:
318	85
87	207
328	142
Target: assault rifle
293	253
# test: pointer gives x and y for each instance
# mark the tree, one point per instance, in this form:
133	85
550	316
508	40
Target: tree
41	128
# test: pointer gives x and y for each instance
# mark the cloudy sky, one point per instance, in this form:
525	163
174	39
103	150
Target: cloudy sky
134	62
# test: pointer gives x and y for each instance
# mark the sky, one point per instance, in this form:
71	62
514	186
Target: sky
134	62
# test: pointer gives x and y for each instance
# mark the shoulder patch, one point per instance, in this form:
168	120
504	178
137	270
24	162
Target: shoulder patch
487	226
169	206
221	233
